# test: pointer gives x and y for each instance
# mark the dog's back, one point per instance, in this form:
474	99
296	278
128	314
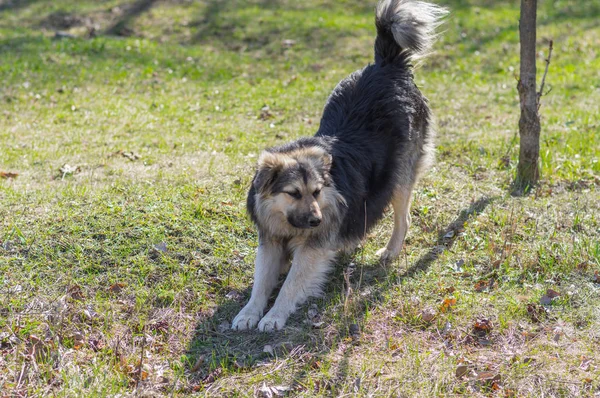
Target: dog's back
377	119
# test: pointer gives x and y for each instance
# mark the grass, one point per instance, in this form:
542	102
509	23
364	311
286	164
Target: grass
120	273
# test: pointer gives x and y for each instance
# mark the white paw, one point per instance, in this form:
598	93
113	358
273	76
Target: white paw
272	322
247	319
386	256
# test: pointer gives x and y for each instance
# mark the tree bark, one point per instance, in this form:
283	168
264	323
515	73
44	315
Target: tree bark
529	123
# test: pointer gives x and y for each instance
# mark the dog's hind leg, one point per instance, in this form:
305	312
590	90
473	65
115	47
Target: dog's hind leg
401	204
270	258
307	274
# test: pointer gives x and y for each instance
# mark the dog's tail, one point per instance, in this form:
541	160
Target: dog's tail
405	29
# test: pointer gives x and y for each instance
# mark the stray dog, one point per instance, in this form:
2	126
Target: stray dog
317	196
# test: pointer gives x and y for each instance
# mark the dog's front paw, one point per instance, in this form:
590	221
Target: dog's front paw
247	319
386	256
272	322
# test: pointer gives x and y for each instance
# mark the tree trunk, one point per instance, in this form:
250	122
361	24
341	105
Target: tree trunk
529	123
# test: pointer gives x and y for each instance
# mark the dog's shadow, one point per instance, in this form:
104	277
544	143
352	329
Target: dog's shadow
215	347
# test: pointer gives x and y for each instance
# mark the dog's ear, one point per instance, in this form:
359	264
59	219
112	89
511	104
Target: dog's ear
269	166
319	157
327	159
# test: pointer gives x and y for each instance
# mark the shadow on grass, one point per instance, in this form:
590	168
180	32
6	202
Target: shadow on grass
14	5
239	25
132	11
217	347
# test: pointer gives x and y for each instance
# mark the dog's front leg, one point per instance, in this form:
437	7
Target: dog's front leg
305	279
270	258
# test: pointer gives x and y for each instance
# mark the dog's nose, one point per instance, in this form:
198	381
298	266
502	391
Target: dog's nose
314	221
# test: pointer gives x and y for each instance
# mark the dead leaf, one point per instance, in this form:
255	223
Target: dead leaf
273	391
481	286
160	326
116	287
268	349
447	304
288	42
545	300
199	362
131	155
483	325
223	327
8	174
96	344
212	376
596	277
75	292
461	370
585	364
552	293
161	247
265	113
536	312
67	169
489	377
428	314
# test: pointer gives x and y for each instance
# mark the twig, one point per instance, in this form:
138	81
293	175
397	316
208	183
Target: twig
141	357
21	375
540	93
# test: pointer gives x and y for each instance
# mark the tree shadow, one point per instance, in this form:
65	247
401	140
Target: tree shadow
239	25
132	11
14	5
216	346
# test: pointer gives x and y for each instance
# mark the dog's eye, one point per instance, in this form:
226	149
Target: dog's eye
316	193
295	194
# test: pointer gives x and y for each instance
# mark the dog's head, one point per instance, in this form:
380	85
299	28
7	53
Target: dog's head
293	187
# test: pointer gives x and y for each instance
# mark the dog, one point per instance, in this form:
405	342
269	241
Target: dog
315	197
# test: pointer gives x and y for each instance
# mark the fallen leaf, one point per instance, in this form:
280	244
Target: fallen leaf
268	349
212	376
273	391
160	326
489	377
596	277
116	287
8	174
536	312
234	295
161	247
447	304
545	300
552	293
585	364
481	286
96	344
223	327
130	155
265	113
428	314
461	370
67	169
482	324
199	362
75	292
313	311
288	42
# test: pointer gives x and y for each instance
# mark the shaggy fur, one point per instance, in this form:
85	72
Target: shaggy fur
316	196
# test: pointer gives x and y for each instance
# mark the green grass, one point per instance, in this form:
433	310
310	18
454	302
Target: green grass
87	288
